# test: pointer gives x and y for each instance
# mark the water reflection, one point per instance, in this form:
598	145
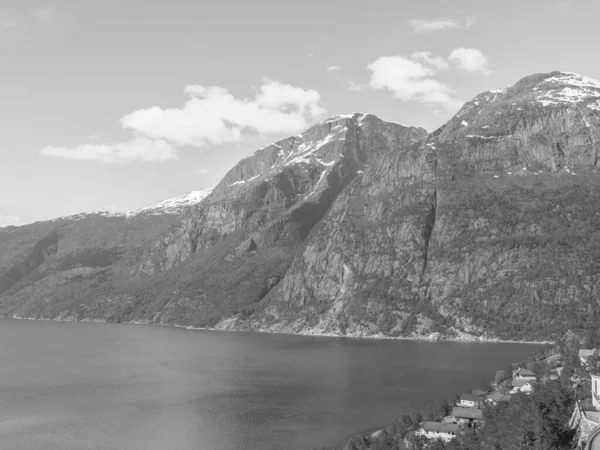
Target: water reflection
97	386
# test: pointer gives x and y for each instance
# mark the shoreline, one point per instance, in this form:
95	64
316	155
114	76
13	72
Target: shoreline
440	338
370	432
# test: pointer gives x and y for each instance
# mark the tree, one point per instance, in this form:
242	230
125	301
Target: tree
593	362
500	377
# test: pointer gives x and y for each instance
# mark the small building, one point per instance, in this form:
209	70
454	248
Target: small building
524	386
438	430
471	401
596	390
497	397
584	355
467	416
523	374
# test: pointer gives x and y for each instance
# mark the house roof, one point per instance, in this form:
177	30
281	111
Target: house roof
441	427
524	373
499	397
592	415
585	353
467	413
520	383
471	397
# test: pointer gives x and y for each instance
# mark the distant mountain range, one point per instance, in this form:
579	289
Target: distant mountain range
485	228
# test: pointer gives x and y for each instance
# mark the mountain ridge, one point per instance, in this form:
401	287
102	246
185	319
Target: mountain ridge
363	227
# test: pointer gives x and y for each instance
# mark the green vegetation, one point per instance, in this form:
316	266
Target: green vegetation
538	421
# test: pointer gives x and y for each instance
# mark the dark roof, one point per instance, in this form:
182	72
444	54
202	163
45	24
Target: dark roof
499	397
439	426
467	413
521	383
524	373
471	397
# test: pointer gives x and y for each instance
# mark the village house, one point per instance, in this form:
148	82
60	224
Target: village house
468	416
523	374
596	390
523	386
584	355
497	397
437	430
471	401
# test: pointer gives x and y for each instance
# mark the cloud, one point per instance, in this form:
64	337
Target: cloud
412	79
200	171
334	69
49	18
356	87
470	21
441	24
9	18
436	62
213	115
9	220
140	148
45	18
427	26
469	60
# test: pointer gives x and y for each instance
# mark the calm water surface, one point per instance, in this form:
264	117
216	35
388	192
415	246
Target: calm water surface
103	386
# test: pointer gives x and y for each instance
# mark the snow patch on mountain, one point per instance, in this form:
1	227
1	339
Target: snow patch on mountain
570	88
173	205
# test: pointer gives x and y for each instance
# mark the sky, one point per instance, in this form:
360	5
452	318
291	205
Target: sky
117	104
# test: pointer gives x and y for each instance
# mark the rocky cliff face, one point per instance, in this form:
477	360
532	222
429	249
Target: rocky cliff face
228	251
486	227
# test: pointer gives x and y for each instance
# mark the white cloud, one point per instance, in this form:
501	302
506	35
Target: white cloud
469	60
9	18
441	24
427	58
9	220
45	18
140	148
334	69
213	115
200	171
412	79
427	26
470	21
356	87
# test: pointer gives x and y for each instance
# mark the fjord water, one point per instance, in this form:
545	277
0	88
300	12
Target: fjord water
106	386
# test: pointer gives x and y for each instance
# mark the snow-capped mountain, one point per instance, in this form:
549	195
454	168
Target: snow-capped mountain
355	227
173	205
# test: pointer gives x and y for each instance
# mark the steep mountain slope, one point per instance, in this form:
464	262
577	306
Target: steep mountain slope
488	227
230	249
76	252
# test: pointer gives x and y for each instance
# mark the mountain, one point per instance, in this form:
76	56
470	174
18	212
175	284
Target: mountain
220	257
486	227
75	254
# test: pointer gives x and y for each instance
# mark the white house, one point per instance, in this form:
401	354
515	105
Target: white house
471	401
524	386
437	430
584	354
596	390
523	374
